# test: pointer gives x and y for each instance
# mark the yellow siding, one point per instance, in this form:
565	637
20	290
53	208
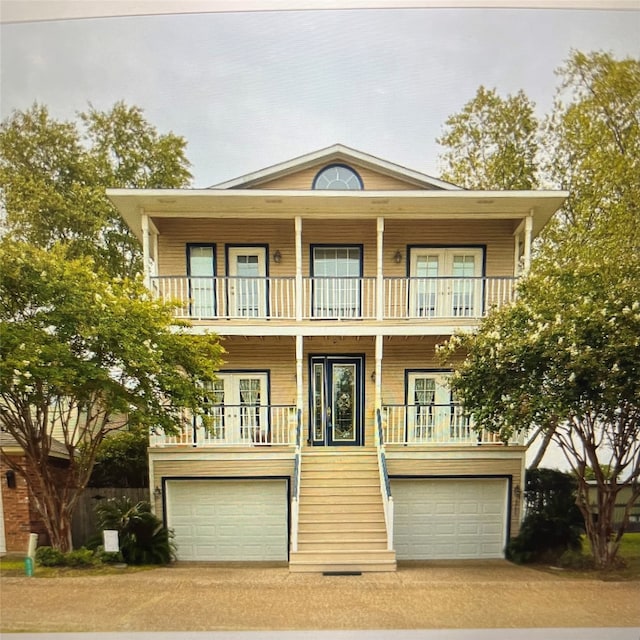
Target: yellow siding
372	180
496	235
277	355
279	235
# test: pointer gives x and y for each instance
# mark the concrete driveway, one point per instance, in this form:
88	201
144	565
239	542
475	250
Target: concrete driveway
199	597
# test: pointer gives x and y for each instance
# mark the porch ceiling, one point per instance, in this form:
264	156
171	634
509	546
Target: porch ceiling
287	204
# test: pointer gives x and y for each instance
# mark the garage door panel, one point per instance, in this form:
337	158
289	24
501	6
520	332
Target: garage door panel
449	518
228	519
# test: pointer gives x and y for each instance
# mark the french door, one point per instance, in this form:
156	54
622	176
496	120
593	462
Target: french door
433	415
445	282
247	283
238	408
337	399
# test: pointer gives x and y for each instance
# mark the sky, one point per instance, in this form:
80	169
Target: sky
251	89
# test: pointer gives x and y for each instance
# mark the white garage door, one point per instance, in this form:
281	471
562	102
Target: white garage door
228	519
447	519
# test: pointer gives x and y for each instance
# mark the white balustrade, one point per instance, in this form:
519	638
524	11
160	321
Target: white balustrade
252	426
433	425
333	298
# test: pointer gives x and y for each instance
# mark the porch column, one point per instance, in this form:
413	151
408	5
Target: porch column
298	231
145	249
379	271
378	391
299	390
528	235
516	257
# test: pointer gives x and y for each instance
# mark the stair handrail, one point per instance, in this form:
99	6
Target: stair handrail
295	500
385	484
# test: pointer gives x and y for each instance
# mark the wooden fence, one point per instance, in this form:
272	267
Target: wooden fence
84	517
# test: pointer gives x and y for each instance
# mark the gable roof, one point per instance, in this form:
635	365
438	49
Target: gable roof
336	153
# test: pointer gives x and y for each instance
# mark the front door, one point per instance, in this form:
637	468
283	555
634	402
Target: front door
247	282
337	398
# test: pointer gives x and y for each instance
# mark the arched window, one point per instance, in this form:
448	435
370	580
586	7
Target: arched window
339	177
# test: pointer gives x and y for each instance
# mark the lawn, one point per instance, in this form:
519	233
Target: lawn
13	566
629	554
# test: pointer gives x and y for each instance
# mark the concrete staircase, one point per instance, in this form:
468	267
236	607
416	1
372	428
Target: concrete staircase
341	516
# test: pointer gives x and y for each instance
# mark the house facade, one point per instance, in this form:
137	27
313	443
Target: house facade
333	441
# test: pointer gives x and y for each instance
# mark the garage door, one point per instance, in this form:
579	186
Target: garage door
228	519
446	519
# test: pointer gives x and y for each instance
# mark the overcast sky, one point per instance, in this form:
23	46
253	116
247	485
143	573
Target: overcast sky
248	90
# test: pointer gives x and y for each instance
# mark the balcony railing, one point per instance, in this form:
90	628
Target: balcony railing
201	298
236	425
433	424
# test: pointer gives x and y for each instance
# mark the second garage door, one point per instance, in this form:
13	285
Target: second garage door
449	519
219	520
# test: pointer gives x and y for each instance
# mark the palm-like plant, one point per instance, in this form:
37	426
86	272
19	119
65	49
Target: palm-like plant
143	537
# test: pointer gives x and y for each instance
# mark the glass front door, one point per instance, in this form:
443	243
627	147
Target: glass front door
336	400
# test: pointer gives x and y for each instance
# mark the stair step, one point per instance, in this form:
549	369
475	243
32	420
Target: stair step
350	490
312	534
315	561
339	545
335	522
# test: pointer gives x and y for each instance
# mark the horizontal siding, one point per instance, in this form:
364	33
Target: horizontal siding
371	180
496	235
280	235
275	355
400	354
176	234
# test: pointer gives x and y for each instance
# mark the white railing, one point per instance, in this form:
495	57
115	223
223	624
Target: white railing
339	298
297	474
235	425
385	484
332	298
228	297
444	424
409	298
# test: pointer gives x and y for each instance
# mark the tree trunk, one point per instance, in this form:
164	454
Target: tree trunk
599	524
544	445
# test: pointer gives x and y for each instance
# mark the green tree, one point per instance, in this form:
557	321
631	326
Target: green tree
122	460
592	143
565	357
54	175
492	143
77	350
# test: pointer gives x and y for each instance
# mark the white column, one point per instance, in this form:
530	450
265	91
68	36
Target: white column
298	231
528	237
145	249
299	390
516	256
378	391
379	271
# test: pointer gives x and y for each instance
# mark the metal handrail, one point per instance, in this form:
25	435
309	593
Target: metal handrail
385	484
295	500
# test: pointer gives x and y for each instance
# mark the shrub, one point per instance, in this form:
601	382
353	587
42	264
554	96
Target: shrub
79	558
143	537
49	557
110	557
553	523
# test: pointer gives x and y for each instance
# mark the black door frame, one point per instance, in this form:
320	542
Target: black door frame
328	361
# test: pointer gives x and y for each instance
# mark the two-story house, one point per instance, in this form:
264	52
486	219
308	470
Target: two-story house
333	441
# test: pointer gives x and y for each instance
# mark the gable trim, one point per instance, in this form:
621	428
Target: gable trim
337	153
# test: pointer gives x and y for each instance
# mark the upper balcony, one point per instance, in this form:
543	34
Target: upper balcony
450	299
